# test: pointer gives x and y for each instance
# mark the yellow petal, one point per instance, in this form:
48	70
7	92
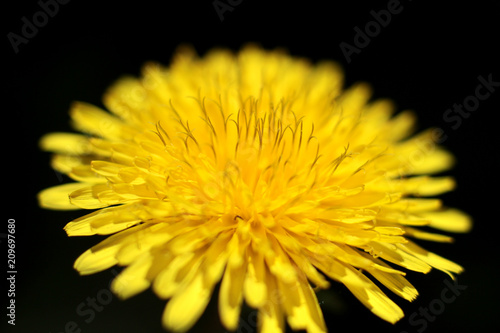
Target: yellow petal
255	288
362	288
393	280
368	199
316	321
91	262
104	221
149	236
84	173
391	253
65	163
125	97
104	254
413	205
279	263
91	119
95	196
418	155
180	269
416	233
401	125
432	162
132	280
452	220
270	316
107	169
301	306
57	197
303	262
66	143
76	167
346	215
432	259
231	296
187	305
216	257
423	185
379	111
376	301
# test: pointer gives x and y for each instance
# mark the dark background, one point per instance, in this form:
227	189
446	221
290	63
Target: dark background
427	58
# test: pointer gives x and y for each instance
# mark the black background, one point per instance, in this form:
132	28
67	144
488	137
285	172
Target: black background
426	59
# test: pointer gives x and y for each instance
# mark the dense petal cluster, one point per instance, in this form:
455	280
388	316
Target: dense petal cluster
257	171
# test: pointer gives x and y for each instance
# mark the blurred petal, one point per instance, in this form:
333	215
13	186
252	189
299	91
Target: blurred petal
57	197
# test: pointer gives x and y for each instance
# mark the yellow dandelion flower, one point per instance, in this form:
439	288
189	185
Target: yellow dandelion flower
257	171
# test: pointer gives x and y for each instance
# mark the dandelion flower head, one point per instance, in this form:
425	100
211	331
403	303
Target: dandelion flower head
258	175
